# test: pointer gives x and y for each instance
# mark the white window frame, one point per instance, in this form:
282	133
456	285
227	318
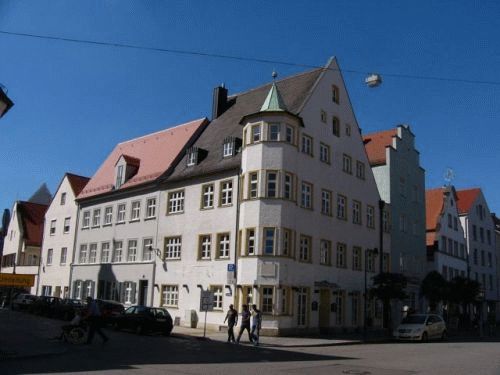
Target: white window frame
96	218
305	243
356	212
205	252
147	249
118	251
223	245
151	208
93	252
226	193
326	202
346	164
83	254
269	241
169	295
67	225
135	211
132	250
64	255
207	196
228	149
253	185
50	254
121	211
341	207
272	184
306	194
306	145
173	248
256	133
176	202
324	153
105	252
250	244
274	131
325	251
218	296
108	215
53	227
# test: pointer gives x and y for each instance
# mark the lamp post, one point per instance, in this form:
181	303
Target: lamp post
372	253
5	102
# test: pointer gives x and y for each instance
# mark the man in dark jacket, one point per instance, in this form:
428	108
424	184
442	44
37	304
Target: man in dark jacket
245	324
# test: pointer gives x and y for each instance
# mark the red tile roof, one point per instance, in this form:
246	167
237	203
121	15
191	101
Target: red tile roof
466	199
376	143
77	182
434	202
156	153
31	217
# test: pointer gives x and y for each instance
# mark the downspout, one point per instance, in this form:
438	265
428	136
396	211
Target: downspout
40	260
237	229
71	265
153	276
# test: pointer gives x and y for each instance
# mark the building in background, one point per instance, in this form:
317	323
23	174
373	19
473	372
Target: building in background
479	231
395	162
59	237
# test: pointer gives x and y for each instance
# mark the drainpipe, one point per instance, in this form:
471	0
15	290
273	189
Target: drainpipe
237	229
71	265
381	205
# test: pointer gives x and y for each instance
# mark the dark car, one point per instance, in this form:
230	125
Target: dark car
143	319
109	309
66	308
44	305
23	301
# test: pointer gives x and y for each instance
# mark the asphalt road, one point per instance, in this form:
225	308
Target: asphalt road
127	353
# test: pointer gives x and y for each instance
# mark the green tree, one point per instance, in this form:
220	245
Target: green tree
434	288
389	286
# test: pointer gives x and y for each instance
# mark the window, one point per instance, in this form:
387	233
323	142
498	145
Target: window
323	116
120	213
63	199
223	244
341	205
335	94
256	133
488	236
302	307
347	164
226	193
228	149
360	170
207	196
306	195
150	208
286	243
370	216
205	246
67	224
402	186
192	157
250	241
289	134
96	218
402	223
356	212
356	258
147	249
92	253
306	145
128	292
325	249
370	261
253	185
475	256
217	291
386	221
117	251
50	253
481	234
172	248
462	250
105	252
176	202
490	259
119	176
474	232
305	248
135	213
348	130
482	258
53	227
169	295
324	153
455	224
83	254
326	202
274	131
455	248
108	215
267	300
444	242
450	223
269	241
132	251
341	255
271	190
64	255
336	126
287	186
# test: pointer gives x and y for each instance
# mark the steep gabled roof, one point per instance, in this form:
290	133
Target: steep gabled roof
31	216
156	153
434	204
376	144
466	199
77	183
42	195
294	90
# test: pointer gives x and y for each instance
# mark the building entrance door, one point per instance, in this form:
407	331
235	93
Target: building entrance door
324	309
143	292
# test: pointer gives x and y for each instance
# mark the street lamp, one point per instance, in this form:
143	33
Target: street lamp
373	253
5	102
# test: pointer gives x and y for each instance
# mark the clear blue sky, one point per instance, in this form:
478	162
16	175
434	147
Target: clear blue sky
74	101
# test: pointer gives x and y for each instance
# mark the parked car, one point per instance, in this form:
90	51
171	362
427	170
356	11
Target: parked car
44	305
143	319
66	308
23	301
421	327
109	309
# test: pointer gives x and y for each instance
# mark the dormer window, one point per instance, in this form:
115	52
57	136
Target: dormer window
126	167
192	157
228	148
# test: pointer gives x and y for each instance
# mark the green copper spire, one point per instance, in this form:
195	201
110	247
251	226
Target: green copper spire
274	101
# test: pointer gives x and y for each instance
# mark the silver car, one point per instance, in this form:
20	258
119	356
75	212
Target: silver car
421	327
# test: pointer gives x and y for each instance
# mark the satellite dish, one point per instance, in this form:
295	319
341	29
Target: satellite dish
373	80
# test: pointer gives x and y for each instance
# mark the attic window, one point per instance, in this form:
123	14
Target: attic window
119	176
126	167
230	146
192	156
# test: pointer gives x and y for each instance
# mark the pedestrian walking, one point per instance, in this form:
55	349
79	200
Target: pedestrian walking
245	324
256	324
94	320
232	320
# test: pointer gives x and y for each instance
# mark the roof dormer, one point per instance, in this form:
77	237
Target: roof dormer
125	168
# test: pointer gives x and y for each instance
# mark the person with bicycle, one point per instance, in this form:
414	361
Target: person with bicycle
76	322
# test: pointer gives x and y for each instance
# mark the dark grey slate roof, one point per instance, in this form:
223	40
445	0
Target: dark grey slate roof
294	91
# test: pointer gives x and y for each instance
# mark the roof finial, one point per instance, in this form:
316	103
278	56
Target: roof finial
274	74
